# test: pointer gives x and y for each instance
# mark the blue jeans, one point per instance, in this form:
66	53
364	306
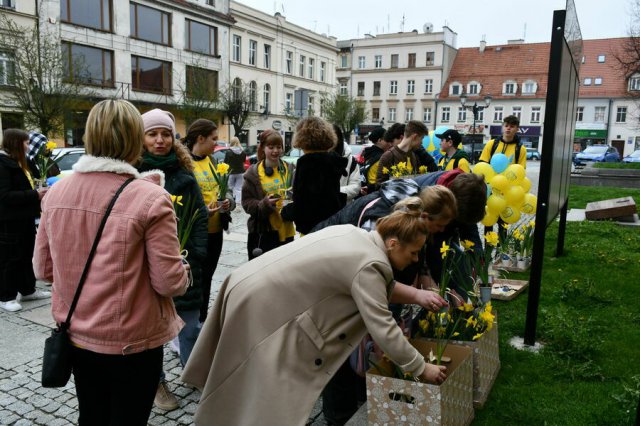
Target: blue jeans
189	333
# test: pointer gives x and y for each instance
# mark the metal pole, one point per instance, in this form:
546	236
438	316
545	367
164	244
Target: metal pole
473	141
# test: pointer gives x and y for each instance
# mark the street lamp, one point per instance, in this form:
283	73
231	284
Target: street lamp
475	108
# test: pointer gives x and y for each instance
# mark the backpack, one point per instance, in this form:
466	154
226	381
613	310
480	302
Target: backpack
495	146
456	161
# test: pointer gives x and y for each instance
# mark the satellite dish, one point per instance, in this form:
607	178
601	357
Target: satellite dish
428	27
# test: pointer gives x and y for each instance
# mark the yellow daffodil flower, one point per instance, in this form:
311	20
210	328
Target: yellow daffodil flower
532	223
385	170
176	199
471	322
477	336
444	249
505	225
51	146
422	170
456	334
468	245
424	325
466	307
491	238
222	168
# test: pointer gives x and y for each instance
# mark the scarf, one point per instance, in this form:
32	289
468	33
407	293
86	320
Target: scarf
162	162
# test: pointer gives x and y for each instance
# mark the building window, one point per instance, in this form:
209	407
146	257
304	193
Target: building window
7	69
361	62
408	114
587	81
343	88
253	96
426	115
529	88
150	75
597	81
211	3
430	58
497	114
288	102
481	116
446	114
473	88
601	59
289	62
579	113
375	114
599	114
517	111
634	84
253	51
8	4
393	87
312	64
267	56
392	115
428	86
266	98
454	89
411	60
535	114
411	87
310	103
201	83
462	114
343	61
323	71
88	13
237	40
376	88
236	89
301	68
378	61
150	24
361	88
394	61
202	38
88	65
509	88
621	115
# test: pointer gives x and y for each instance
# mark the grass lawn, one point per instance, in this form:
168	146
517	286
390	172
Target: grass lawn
588	372
616	165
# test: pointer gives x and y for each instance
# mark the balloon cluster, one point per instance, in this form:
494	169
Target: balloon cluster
507	190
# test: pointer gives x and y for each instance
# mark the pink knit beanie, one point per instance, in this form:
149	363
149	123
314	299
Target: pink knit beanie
159	119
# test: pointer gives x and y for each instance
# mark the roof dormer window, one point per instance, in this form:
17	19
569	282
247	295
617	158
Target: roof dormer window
455	89
509	87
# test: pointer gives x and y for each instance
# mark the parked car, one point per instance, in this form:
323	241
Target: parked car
219	153
597	153
634	157
252	153
67	158
357	150
293	155
533	154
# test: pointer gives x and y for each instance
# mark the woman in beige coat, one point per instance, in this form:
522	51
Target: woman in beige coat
285	322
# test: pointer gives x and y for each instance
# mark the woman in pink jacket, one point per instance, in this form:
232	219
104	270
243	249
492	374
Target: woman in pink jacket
125	312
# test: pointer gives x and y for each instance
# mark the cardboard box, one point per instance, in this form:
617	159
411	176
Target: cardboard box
397	401
506	289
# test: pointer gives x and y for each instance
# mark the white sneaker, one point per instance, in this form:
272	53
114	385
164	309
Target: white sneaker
36	295
10	306
174	346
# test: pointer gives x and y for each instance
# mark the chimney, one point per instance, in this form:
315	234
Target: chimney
483	45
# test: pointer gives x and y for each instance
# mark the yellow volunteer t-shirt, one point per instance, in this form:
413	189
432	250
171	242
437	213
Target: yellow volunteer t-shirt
209	188
373	173
447	164
271	185
507	149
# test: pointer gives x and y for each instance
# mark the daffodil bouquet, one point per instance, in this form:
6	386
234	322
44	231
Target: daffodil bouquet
221	175
43	160
287	180
399	170
527	231
186	215
481	260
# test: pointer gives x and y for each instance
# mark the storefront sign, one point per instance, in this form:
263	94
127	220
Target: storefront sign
277	124
586	133
522	131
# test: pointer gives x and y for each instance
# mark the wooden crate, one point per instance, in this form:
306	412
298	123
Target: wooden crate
515	288
611	209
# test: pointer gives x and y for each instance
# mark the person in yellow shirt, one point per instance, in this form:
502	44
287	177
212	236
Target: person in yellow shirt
453	157
508	144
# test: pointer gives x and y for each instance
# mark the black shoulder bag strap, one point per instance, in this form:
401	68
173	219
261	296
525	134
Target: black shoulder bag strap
65	325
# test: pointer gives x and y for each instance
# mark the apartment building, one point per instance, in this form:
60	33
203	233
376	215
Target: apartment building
288	69
397	75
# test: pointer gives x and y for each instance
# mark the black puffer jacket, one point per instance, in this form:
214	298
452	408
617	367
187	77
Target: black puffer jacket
180	181
18	201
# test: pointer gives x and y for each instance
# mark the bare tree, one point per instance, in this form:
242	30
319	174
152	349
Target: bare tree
344	111
199	94
45	82
629	57
238	102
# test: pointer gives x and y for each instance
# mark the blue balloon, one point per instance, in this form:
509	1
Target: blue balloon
52	180
438	131
499	162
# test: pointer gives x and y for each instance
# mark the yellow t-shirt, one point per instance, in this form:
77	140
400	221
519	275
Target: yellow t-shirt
209	188
274	185
507	149
373	173
447	164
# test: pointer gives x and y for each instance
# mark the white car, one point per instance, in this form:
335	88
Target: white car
67	158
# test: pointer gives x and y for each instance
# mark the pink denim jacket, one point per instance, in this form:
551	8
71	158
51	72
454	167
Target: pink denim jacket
125	305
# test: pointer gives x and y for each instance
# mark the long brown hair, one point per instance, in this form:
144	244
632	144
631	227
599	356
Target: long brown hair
13	145
200	127
268	137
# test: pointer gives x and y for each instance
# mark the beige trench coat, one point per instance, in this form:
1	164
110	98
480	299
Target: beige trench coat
284	323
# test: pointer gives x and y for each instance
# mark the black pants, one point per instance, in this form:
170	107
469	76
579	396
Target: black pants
214	248
116	389
265	242
17	239
342	395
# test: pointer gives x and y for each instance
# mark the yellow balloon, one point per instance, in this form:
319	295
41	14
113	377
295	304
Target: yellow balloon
514	195
526	184
515	173
510	215
499	183
495	204
529	204
489	219
484	169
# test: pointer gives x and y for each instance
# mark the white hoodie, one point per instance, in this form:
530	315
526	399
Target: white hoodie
350	184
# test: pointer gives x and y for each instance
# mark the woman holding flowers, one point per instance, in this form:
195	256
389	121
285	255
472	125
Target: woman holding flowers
19	206
275	338
201	141
163	152
264	191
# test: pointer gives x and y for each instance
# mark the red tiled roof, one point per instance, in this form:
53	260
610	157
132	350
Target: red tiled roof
614	83
497	64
